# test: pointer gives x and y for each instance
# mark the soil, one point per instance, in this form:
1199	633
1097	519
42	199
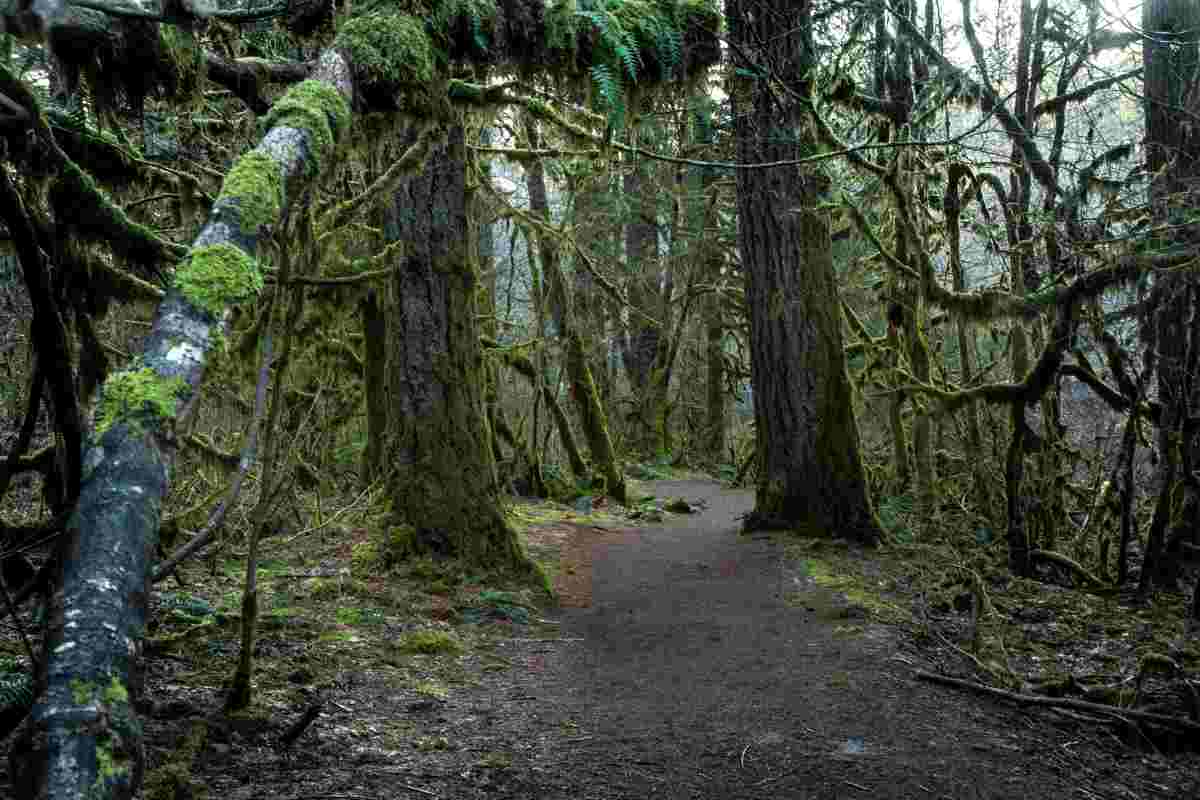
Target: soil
686	661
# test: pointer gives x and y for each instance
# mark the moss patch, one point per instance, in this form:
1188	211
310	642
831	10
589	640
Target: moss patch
134	391
318	109
389	48
430	643
116	693
81	691
257	186
218	275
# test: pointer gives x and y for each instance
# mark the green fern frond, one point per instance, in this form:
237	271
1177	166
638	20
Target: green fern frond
16	689
609	92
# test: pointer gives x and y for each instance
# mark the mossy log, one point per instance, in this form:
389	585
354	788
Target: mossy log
82	739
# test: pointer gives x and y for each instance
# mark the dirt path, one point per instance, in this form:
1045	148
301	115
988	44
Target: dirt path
695	665
707	667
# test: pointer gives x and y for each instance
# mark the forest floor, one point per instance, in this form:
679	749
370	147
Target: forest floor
685	660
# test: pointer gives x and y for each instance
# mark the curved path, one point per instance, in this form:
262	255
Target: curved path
707	667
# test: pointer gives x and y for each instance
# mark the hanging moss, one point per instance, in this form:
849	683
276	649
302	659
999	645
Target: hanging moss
318	109
217	275
183	60
256	184
82	208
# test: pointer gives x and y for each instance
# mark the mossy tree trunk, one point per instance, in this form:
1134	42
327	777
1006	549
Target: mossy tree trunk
811	471
443	481
1172	58
374	384
965	329
642	345
703	212
593	224
591	415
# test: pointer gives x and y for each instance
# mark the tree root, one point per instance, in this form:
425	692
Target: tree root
1180	724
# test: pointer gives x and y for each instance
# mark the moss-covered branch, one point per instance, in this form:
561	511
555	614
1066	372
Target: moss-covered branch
94	631
522	365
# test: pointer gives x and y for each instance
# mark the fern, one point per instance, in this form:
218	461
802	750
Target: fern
16	689
615	40
632	36
609	91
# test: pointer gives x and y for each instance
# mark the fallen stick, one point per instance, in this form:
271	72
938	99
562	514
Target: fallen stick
1181	723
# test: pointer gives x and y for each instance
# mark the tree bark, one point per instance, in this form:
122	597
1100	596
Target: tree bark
1172	97
811	472
374	384
443	483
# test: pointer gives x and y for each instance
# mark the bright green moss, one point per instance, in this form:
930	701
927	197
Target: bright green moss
317	108
217	275
81	691
257	186
389	48
116	693
131	392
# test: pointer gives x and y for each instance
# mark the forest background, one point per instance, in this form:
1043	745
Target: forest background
922	279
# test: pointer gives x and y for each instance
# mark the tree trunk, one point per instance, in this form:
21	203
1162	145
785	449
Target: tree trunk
952	208
1171	56
374	384
444	482
587	395
811	472
716	395
640	345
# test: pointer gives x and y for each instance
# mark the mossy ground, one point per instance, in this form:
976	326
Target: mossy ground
948	586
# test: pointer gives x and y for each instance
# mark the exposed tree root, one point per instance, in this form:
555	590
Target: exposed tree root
1181	724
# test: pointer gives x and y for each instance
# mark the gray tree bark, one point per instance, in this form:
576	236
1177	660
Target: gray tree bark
811	472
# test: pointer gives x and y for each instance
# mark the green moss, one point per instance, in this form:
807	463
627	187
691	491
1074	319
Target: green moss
430	643
109	764
82	691
431	688
136	390
365	559
116	693
218	275
185	54
174	777
317	108
389	48
257	186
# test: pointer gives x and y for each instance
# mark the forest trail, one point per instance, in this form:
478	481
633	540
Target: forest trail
707	667
691	663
